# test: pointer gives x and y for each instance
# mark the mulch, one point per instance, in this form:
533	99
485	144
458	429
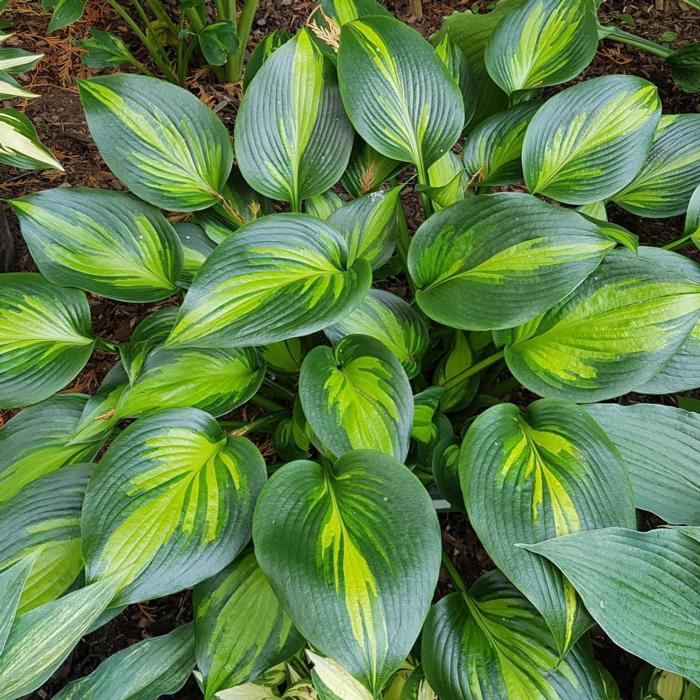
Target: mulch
61	124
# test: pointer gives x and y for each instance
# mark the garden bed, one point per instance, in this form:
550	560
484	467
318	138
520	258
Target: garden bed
58	116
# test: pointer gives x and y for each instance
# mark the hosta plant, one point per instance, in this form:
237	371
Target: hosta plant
315	373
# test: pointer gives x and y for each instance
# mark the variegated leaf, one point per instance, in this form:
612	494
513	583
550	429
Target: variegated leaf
12	582
615	332
357	396
589	141
213	380
293	140
398	93
542	42
333	682
242	629
393	321
105	242
671	172
284	356
323	205
146	670
158	139
263	50
170	504
344	11
692	218
476	270
491	643
45	338
10	88
448	181
492	150
20	146
459	390
367	552
283	276
14	60
369	226
528	477
368	169
44	519
455	60
196	248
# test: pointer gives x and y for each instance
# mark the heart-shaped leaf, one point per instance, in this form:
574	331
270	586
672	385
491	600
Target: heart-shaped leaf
283	276
170	504
547	473
105	242
45	338
357	396
367	552
158	139
233	646
642	588
398	94
589	141
610	336
293	140
476	270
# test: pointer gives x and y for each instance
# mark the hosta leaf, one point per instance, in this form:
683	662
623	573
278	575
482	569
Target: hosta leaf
20	146
475	270
45	337
398	94
215	381
459	391
196	248
344	11
144	671
41	639
367	552
37	441
105	50
293	140
369	225
242	629
333	682
12	582
684	63
665	481
682	371
692	218
14	60
218	41
492	150
44	520
10	88
425	407
285	356
148	335
323	205
656	684
368	169
455	60
264	49
282	276
390	319
357	396
589	141
671	171
493	644
642	588
542	42
528	477
158	139
448	181
66	12
610	336
170	504
410	684
105	242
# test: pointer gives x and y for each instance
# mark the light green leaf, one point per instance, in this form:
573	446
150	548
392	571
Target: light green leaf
492	643
492	150
390	319
671	172
170	504
545	473
144	671
242	629
447	181
66	12
323	205
14	60
44	519
333	682
158	139
41	639
610	336
366	552
656	684
105	242
475	270
357	396
665	481
455	60
425	413
642	588
213	380
12	582
284	356
196	248
615	232
692	218
283	276
10	88
398	93
344	11
589	141
45	338
542	42
20	146
293	140
459	391
368	169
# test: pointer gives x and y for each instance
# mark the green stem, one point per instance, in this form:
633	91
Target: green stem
678	242
259	425
475	369
279	389
638	42
104	344
162	15
234	66
424	197
454	574
220	10
194	19
141	67
266	404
